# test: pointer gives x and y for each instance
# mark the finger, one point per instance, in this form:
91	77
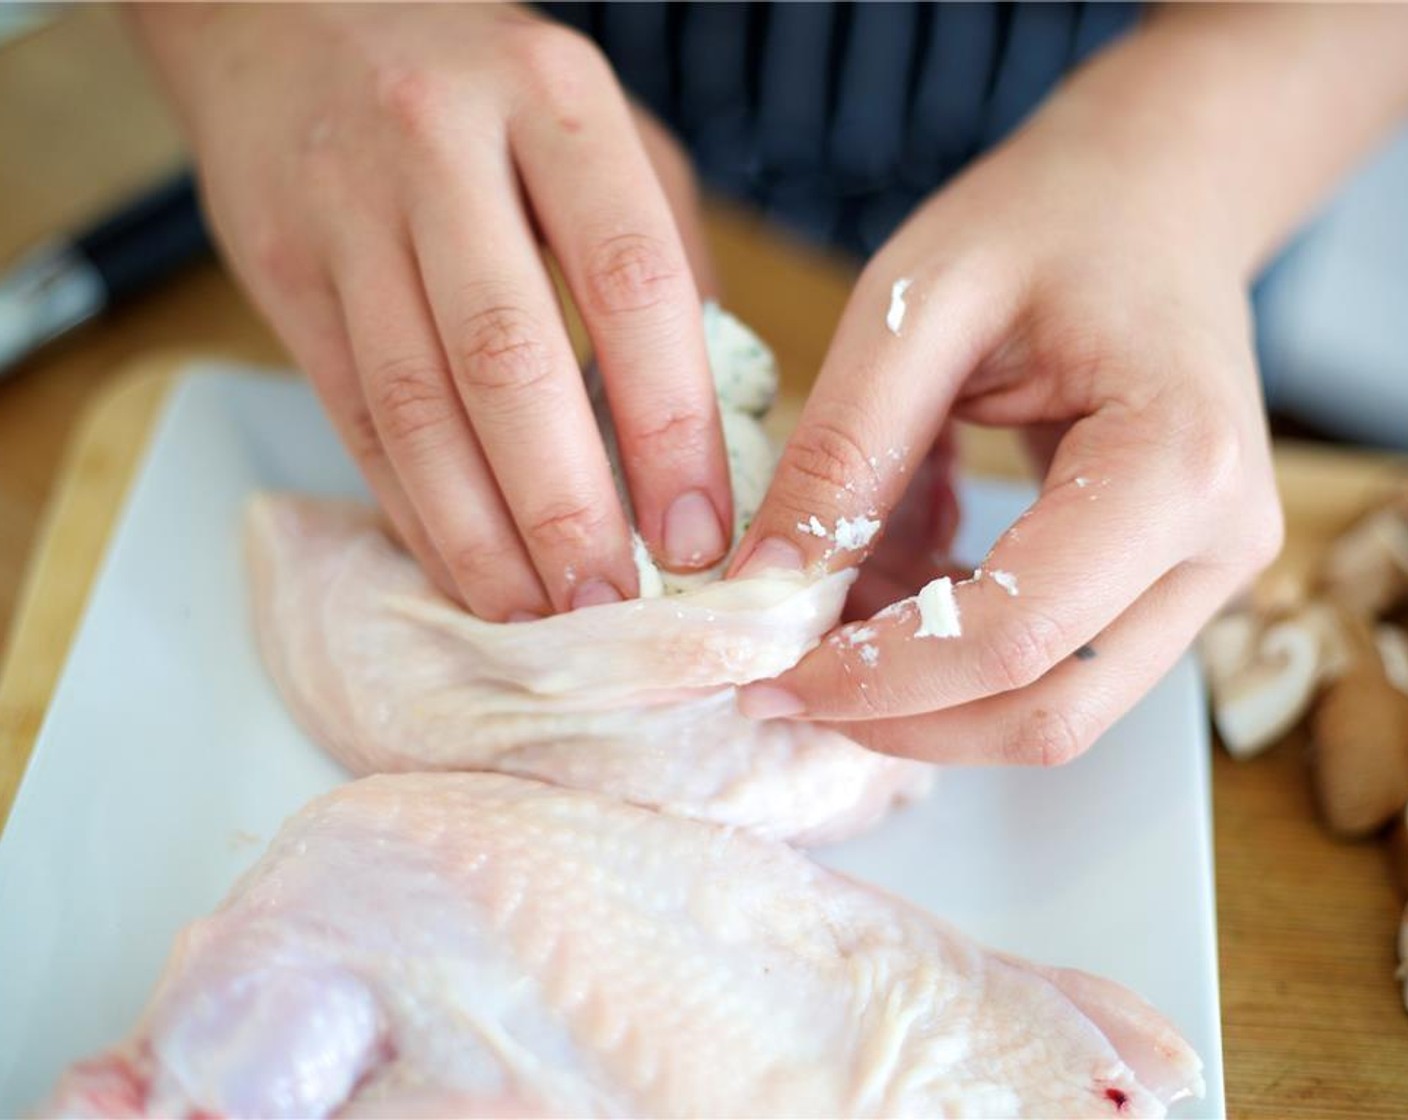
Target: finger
621	253
310	324
919	531
406	383
1056	719
677	180
877	408
917	540
521	385
1089	547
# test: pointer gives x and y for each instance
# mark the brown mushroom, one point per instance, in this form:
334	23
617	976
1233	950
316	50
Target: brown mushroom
1403	955
1360	740
1398	851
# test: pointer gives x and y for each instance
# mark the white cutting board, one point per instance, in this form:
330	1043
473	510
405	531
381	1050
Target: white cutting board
167	761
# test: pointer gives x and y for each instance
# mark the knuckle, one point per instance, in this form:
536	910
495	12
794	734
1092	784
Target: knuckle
416	102
630	272
279	260
363	440
502	350
678	435
554	57
827	455
1265	534
477	562
1017	653
407	398
1214	462
1048	737
574	526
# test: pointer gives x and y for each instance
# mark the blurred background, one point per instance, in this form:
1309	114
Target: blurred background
807	136
802	189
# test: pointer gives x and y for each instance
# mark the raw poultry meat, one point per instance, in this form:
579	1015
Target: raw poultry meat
631	699
480	945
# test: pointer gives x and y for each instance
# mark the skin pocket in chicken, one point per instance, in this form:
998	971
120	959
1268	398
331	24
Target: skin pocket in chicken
632	699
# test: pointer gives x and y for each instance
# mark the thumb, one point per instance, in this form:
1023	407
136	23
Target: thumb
906	342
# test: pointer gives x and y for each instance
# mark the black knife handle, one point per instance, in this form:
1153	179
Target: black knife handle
148	240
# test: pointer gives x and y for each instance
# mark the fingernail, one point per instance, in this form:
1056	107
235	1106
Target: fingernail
693	535
767	701
772	554
595	593
524	616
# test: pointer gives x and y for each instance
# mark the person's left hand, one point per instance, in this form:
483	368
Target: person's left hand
1094	306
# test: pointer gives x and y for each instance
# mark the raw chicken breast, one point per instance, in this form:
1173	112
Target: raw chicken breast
479	945
630	699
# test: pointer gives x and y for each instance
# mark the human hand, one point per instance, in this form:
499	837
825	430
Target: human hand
381	179
1067	294
917	543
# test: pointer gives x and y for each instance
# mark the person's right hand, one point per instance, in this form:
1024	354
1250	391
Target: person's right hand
380	179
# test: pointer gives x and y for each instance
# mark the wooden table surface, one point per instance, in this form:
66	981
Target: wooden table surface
1314	1024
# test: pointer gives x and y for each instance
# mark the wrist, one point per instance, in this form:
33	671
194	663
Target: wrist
1230	124
195	49
1156	159
167	31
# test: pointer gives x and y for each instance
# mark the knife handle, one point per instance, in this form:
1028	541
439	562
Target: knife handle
147	240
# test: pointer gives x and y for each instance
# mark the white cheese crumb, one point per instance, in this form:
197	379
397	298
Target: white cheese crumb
854	533
1005	580
938	610
652	586
1393	651
814	527
860	634
894	317
870	655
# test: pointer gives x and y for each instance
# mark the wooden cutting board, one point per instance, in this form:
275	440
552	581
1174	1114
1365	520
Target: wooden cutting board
1314	1024
100	463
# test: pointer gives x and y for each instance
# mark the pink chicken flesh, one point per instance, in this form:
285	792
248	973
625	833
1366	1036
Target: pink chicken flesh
480	945
635	699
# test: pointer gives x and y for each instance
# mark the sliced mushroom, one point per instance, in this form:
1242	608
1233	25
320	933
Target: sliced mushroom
1262	680
1366	569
